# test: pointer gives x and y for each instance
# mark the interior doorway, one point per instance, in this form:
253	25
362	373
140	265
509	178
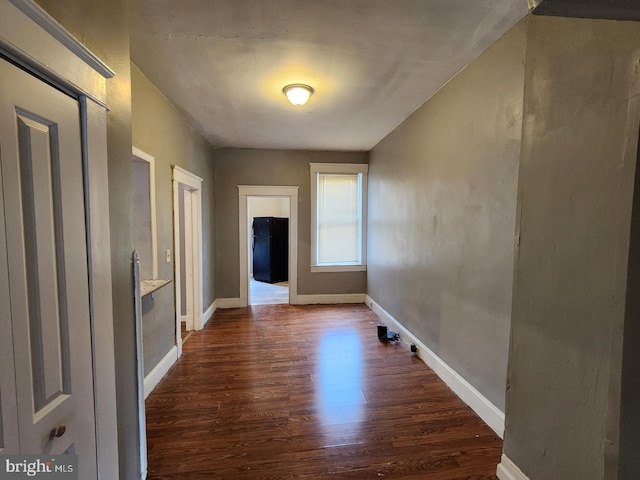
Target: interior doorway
187	237
268	249
288	195
187	249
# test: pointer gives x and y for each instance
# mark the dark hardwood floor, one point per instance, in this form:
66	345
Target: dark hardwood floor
284	392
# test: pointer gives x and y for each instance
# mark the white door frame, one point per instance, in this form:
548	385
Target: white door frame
189	247
182	177
32	38
245	191
145	157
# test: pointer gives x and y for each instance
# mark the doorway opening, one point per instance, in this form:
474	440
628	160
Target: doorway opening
628	465
268	252
187	238
270	202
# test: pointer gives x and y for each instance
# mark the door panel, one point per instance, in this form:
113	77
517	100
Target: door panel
41	161
44	261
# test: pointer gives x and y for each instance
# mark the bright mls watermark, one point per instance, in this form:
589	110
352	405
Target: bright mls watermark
49	467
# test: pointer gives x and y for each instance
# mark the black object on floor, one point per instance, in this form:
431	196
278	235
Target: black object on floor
270	249
386	335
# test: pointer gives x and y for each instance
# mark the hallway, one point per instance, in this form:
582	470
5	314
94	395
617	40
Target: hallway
285	392
261	293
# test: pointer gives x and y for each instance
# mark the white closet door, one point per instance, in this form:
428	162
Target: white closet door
41	161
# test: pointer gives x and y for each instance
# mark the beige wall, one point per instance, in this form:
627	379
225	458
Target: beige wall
442	205
161	131
582	110
267	207
273	167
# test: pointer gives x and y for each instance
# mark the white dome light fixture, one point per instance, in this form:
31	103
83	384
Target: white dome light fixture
298	93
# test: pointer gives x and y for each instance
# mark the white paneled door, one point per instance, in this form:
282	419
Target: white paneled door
46	374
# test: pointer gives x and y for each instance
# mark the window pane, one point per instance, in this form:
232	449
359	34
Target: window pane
338	218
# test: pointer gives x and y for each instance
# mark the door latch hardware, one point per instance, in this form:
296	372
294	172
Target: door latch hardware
58	431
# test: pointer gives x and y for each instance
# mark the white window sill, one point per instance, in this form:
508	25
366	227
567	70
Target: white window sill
338	268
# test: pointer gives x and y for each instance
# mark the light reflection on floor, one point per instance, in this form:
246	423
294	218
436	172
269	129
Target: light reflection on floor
339	399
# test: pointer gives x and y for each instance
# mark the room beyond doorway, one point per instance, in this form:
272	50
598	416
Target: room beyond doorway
262	293
268	249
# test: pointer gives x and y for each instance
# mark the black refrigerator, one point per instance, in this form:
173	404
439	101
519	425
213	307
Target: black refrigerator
270	249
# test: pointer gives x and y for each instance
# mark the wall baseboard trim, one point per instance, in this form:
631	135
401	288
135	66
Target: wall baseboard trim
159	371
328	299
223	303
207	314
486	410
507	470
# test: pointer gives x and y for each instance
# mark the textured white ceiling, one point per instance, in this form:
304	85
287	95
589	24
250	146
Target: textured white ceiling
223	63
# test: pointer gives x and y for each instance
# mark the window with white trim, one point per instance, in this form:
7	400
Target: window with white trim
338	217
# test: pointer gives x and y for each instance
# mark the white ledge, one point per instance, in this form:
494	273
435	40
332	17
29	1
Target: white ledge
338	268
150	286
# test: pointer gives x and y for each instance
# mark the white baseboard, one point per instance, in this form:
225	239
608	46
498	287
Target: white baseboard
328	299
486	410
507	470
227	303
159	371
207	314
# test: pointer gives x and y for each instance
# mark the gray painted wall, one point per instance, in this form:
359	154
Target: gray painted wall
442	198
160	131
273	167
104	28
143	233
574	202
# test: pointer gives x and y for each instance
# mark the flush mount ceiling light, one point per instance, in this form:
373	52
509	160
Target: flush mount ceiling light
298	93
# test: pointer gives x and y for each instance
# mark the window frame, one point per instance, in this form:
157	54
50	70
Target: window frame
338	169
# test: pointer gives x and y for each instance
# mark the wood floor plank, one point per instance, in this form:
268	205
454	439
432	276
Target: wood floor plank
292	392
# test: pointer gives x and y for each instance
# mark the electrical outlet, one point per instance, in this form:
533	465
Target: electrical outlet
167	256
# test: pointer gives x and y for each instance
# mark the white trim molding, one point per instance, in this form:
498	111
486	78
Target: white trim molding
182	177
153	378
339	168
329	299
245	191
486	410
102	294
186	177
207	314
338	268
507	470
145	157
361	170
